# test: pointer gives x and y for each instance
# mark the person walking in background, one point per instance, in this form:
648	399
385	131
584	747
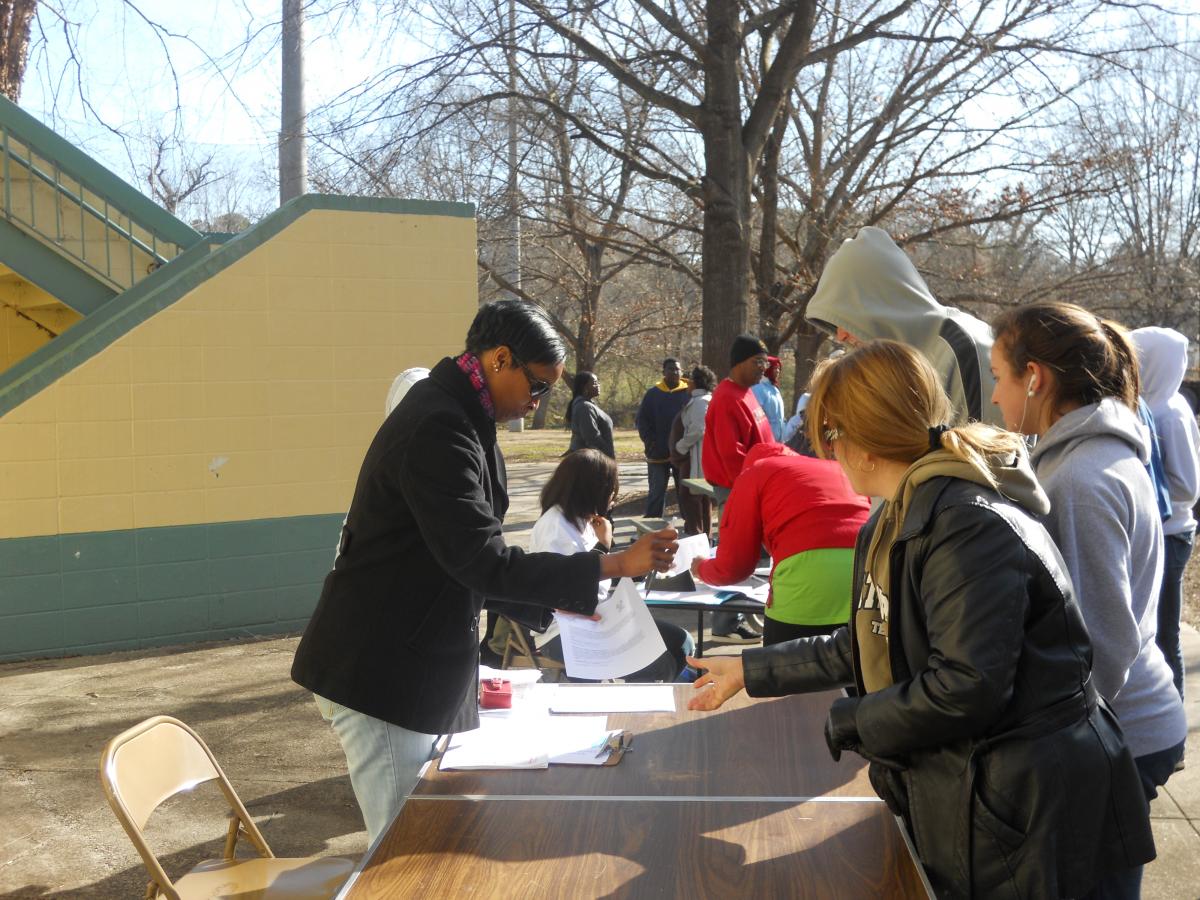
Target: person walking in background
870	289
1071	378
391	652
805	513
766	392
1162	355
696	509
591	427
657	411
968	651
735	421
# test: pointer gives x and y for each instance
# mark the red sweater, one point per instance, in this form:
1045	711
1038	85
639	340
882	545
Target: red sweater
788	502
734	423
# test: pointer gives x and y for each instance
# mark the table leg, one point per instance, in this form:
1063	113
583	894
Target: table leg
699	633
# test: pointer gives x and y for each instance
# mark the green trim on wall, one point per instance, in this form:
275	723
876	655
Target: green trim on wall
144	211
62	279
175	280
63	595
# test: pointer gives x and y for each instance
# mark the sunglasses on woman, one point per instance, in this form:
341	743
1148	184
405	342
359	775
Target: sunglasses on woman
537	387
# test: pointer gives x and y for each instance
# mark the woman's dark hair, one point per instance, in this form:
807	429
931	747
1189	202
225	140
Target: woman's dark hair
1092	358
583	486
521	327
703	378
582	380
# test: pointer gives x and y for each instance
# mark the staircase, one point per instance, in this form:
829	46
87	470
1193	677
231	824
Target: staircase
70	226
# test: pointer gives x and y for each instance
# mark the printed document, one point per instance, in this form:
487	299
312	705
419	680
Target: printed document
612	698
623	641
694	546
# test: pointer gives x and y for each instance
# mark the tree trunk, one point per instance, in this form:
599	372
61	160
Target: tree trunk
293	158
726	190
767	286
808	344
15	19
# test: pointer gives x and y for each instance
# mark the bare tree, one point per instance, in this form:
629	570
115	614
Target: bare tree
16	18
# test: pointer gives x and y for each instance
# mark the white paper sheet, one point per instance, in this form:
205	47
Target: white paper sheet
694	546
623	641
613	698
529	742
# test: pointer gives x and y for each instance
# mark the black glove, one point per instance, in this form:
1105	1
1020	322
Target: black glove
841	729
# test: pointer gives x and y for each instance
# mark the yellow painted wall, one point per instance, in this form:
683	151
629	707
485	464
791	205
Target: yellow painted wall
23	308
255	395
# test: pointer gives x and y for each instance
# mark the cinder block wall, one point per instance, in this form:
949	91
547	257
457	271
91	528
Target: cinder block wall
187	481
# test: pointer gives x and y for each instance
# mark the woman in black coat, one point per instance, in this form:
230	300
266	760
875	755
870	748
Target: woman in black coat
392	650
971	661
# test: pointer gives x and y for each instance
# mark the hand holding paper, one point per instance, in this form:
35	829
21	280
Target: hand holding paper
623	641
693	547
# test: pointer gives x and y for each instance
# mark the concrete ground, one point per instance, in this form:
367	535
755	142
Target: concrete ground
58	837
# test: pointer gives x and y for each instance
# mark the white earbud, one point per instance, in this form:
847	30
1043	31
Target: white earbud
1032	384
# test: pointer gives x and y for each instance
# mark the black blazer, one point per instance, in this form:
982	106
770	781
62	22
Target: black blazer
395	634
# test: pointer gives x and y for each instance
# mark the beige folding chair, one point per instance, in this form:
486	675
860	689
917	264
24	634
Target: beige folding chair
151	762
520	647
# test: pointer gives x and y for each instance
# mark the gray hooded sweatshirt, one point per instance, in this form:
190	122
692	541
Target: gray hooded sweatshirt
871	289
1103	516
1162	359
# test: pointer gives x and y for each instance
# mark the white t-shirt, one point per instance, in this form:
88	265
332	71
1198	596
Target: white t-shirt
554	533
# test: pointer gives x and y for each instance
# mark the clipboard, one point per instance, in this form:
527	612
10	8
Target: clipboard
682	583
618	744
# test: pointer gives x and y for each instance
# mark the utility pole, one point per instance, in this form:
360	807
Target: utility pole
513	248
293	159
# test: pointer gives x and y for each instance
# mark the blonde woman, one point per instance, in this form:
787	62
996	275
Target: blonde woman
968	652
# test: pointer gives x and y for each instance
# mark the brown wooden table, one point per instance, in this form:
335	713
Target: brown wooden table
744	802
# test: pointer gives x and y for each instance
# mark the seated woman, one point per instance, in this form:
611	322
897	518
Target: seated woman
975	705
574	501
805	513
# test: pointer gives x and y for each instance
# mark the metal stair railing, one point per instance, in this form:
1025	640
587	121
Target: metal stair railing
105	240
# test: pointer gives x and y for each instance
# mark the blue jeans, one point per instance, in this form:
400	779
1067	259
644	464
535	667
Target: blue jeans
384	760
1154	769
1170	601
658	474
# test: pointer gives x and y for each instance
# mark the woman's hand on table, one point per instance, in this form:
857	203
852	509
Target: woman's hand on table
654	551
721	677
696	563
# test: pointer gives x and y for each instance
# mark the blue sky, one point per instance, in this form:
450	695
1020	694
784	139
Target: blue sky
228	85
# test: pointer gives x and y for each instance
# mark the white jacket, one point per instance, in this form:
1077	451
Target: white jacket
693	431
1162	361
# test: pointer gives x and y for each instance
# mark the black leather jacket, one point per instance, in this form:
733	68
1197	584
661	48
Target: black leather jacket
1010	773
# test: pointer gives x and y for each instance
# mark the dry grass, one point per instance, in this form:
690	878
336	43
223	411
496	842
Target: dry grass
548	444
1191	591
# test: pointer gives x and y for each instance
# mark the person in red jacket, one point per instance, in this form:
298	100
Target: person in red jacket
805	513
735	422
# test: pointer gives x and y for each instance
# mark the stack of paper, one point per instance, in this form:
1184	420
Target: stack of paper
529	742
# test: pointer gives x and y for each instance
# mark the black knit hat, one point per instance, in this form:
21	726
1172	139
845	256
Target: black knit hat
744	347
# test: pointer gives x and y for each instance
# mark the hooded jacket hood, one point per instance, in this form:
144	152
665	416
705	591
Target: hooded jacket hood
1108	418
1162	364
871	289
1162	359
